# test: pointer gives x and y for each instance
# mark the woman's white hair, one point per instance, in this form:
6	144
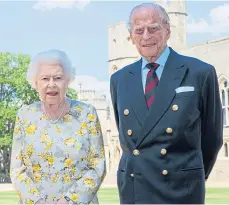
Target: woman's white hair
52	56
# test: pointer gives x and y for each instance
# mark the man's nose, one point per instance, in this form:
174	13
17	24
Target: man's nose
146	34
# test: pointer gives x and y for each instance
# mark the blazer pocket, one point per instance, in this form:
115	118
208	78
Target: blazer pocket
191	169
185	94
192	172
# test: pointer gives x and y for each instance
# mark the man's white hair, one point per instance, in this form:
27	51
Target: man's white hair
162	12
52	56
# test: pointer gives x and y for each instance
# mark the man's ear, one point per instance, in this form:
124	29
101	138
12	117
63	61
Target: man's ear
168	31
131	36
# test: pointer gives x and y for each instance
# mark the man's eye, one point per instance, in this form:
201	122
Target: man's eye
139	30
153	29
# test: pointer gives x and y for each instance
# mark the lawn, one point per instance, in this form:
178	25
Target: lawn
110	196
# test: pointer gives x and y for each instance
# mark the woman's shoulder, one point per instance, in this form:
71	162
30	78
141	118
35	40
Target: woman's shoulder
83	105
25	109
80	108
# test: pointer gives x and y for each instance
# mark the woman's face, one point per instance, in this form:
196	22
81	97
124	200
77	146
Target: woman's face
51	83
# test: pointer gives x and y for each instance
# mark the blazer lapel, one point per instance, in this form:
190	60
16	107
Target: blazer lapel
135	92
172	76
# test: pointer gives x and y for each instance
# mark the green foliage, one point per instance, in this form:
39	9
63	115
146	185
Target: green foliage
14	91
72	94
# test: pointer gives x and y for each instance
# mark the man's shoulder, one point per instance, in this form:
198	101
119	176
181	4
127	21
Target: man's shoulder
196	61
122	71
196	64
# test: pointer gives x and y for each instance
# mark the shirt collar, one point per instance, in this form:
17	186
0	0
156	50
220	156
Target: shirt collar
161	60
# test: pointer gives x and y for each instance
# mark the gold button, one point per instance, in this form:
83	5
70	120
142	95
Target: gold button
169	130
136	152
129	132
126	112
164	172
163	151
175	107
132	175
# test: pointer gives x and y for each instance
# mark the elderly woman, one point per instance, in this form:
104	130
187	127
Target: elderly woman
58	152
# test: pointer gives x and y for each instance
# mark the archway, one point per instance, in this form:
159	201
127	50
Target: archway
224	95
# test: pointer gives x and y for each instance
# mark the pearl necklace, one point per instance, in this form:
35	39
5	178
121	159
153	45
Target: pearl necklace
49	117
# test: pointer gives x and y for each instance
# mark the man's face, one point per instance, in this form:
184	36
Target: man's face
148	32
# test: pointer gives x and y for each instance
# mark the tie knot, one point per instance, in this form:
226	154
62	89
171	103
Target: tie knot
152	66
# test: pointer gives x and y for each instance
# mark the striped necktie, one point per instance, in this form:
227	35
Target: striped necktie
151	83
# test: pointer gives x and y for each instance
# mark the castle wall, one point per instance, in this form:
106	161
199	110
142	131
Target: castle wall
219	176
177	15
119	42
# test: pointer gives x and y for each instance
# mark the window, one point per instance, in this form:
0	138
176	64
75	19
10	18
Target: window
223	97
114	68
224	94
117	154
224	117
226	149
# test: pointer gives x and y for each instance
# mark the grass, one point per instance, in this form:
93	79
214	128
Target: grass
110	196
217	196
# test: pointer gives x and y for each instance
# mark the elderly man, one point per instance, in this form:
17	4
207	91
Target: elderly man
169	117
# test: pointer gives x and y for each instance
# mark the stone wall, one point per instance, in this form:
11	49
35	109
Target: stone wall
219	176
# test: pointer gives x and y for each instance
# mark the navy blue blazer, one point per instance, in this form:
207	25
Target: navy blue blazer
170	149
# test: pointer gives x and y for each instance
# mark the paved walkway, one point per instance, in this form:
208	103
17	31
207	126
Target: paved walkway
9	187
6	187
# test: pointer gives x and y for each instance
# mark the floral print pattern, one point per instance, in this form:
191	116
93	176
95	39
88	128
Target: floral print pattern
50	161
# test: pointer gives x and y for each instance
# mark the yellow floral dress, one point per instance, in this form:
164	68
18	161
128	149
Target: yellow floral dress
50	161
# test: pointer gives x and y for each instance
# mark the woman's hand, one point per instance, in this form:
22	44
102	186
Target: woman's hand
62	201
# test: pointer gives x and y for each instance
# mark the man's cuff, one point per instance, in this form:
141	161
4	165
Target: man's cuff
68	200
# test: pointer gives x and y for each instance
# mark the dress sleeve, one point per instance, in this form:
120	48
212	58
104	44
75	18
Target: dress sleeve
85	189
25	187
